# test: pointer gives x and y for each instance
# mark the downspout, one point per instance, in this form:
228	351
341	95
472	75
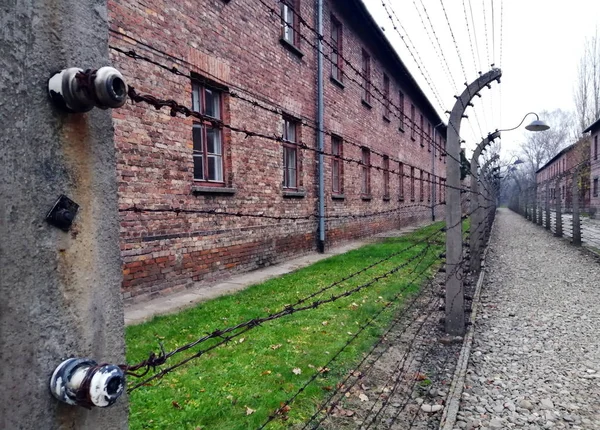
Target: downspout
320	129
432	184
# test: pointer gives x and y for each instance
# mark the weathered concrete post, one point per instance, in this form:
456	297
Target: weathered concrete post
576	212
455	315
548	219
477	212
534	204
558	208
60	290
540	206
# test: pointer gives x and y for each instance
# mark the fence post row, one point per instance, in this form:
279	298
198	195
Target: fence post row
576	210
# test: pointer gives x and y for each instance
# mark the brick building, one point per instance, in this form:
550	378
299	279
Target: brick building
594	131
187	186
560	168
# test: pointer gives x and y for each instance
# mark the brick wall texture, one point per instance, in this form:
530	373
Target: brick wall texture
236	47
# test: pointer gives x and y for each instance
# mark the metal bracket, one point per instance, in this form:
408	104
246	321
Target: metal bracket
62	213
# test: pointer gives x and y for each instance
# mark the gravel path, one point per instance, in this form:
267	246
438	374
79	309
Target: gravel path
535	361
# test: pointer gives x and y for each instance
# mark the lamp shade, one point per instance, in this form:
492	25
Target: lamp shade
537	125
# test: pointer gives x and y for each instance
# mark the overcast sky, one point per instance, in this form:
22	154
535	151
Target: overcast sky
536	43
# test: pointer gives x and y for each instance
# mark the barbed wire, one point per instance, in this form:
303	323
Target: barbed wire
369	322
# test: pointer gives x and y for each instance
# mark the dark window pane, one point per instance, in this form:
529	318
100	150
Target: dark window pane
198	167
197	138
212	103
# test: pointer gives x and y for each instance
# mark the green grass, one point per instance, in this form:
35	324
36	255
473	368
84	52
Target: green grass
256	371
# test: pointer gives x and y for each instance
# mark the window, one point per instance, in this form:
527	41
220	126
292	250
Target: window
401	180
366	172
595	187
429	141
337	173
596	147
422	131
429	187
401	110
336	49
421	193
386	176
289	21
413	122
442	190
366	70
207	138
412	184
290	154
386	96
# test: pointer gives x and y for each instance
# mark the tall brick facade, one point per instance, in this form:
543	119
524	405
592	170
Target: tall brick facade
239	48
561	168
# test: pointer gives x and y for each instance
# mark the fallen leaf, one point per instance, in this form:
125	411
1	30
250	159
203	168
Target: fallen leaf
274	347
327	387
323	369
241	340
249	411
175	405
266	372
284	409
297	371
420	377
363	397
324	323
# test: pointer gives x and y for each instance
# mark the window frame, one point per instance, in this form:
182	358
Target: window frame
401	181
289	145
413	132
421	190
336	160
422	130
428	187
292	6
386	177
199	101
412	184
365	163
366	70
595	147
337	50
386	97
595	187
401	109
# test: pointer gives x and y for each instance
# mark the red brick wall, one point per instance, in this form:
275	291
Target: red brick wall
237	45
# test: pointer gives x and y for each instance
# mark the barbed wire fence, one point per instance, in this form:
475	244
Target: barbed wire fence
410	318
564	200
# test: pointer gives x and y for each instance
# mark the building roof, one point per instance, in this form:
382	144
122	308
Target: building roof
557	156
357	13
593	126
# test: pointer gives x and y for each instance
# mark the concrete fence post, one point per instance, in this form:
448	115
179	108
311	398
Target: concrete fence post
534	204
60	285
454	306
558	208
576	210
547	206
540	206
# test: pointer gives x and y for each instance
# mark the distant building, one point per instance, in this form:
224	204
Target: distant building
556	176
594	131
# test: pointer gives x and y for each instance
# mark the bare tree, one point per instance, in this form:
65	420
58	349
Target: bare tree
539	147
586	93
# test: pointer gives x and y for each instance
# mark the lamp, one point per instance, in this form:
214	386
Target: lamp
537	125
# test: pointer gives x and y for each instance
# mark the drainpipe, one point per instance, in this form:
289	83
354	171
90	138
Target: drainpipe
432	184
320	129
